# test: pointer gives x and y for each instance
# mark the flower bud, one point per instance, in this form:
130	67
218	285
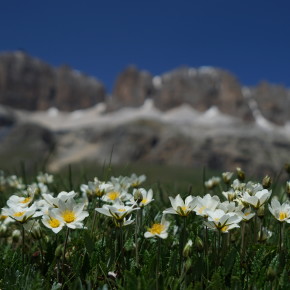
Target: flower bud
47	239
287	168
16	236
261	211
212	183
3	230
264	235
271	273
99	192
227	176
187	248
138	197
187	264
36	233
199	244
58	251
240	174
287	189
267	181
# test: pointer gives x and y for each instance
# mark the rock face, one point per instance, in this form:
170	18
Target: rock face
201	88
273	102
132	88
194	146
30	84
25	142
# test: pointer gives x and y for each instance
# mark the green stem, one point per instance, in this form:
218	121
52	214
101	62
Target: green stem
95	215
205	242
120	246
280	237
94	221
158	263
261	228
23	244
219	247
181	243
256	228
64	249
243	241
136	238
41	252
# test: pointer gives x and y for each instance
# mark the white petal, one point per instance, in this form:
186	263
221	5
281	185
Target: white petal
148	235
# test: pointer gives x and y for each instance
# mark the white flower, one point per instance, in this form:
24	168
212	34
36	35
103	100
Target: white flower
42	188
246	215
257	200
221	221
142	196
4	218
180	207
205	203
21	214
63	196
229	206
135	181
21	201
238	185
118	210
70	213
230	195
213	182
44	178
158	229
15	182
281	212
52	221
252	188
122	182
227	176
116	193
97	187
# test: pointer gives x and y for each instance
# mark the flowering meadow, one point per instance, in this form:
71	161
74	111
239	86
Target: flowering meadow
118	234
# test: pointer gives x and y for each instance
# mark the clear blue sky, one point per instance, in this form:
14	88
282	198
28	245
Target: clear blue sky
250	38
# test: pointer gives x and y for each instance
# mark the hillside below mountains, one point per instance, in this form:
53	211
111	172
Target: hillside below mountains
194	117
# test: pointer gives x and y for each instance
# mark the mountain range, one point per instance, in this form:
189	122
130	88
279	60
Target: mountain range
195	117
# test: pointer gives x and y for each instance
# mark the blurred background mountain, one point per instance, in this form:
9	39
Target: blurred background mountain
191	117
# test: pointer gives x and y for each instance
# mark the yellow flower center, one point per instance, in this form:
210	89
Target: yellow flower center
18	214
26	200
201	209
156	229
283	215
99	192
54	223
247	213
68	216
224	228
184	208
144	200
3	217
121	209
216	219
113	195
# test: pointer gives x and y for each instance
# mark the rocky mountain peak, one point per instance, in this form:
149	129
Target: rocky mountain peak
31	84
201	88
